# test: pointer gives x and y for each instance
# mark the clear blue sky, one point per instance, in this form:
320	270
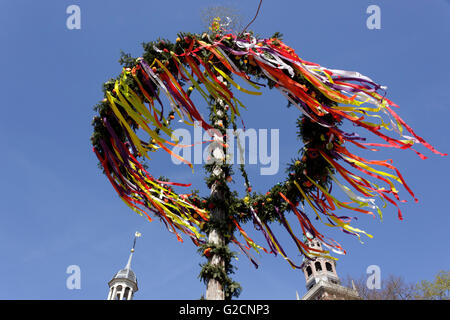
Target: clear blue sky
57	209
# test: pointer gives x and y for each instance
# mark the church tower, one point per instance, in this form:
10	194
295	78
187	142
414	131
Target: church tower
322	281
124	284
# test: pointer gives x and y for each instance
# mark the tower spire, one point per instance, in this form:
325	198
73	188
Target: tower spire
128	266
124	284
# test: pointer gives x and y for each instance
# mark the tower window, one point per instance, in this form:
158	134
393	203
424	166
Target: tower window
318	266
125	296
329	267
308	271
118	292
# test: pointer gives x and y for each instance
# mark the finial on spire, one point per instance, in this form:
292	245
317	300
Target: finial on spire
137	234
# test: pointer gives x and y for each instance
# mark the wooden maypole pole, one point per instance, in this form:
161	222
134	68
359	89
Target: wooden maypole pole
214	288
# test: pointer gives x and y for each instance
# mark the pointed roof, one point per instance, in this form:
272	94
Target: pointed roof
127	273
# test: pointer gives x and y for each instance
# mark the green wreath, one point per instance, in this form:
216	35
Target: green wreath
206	63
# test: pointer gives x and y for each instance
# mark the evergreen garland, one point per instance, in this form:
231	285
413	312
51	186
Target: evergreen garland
312	135
270	206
